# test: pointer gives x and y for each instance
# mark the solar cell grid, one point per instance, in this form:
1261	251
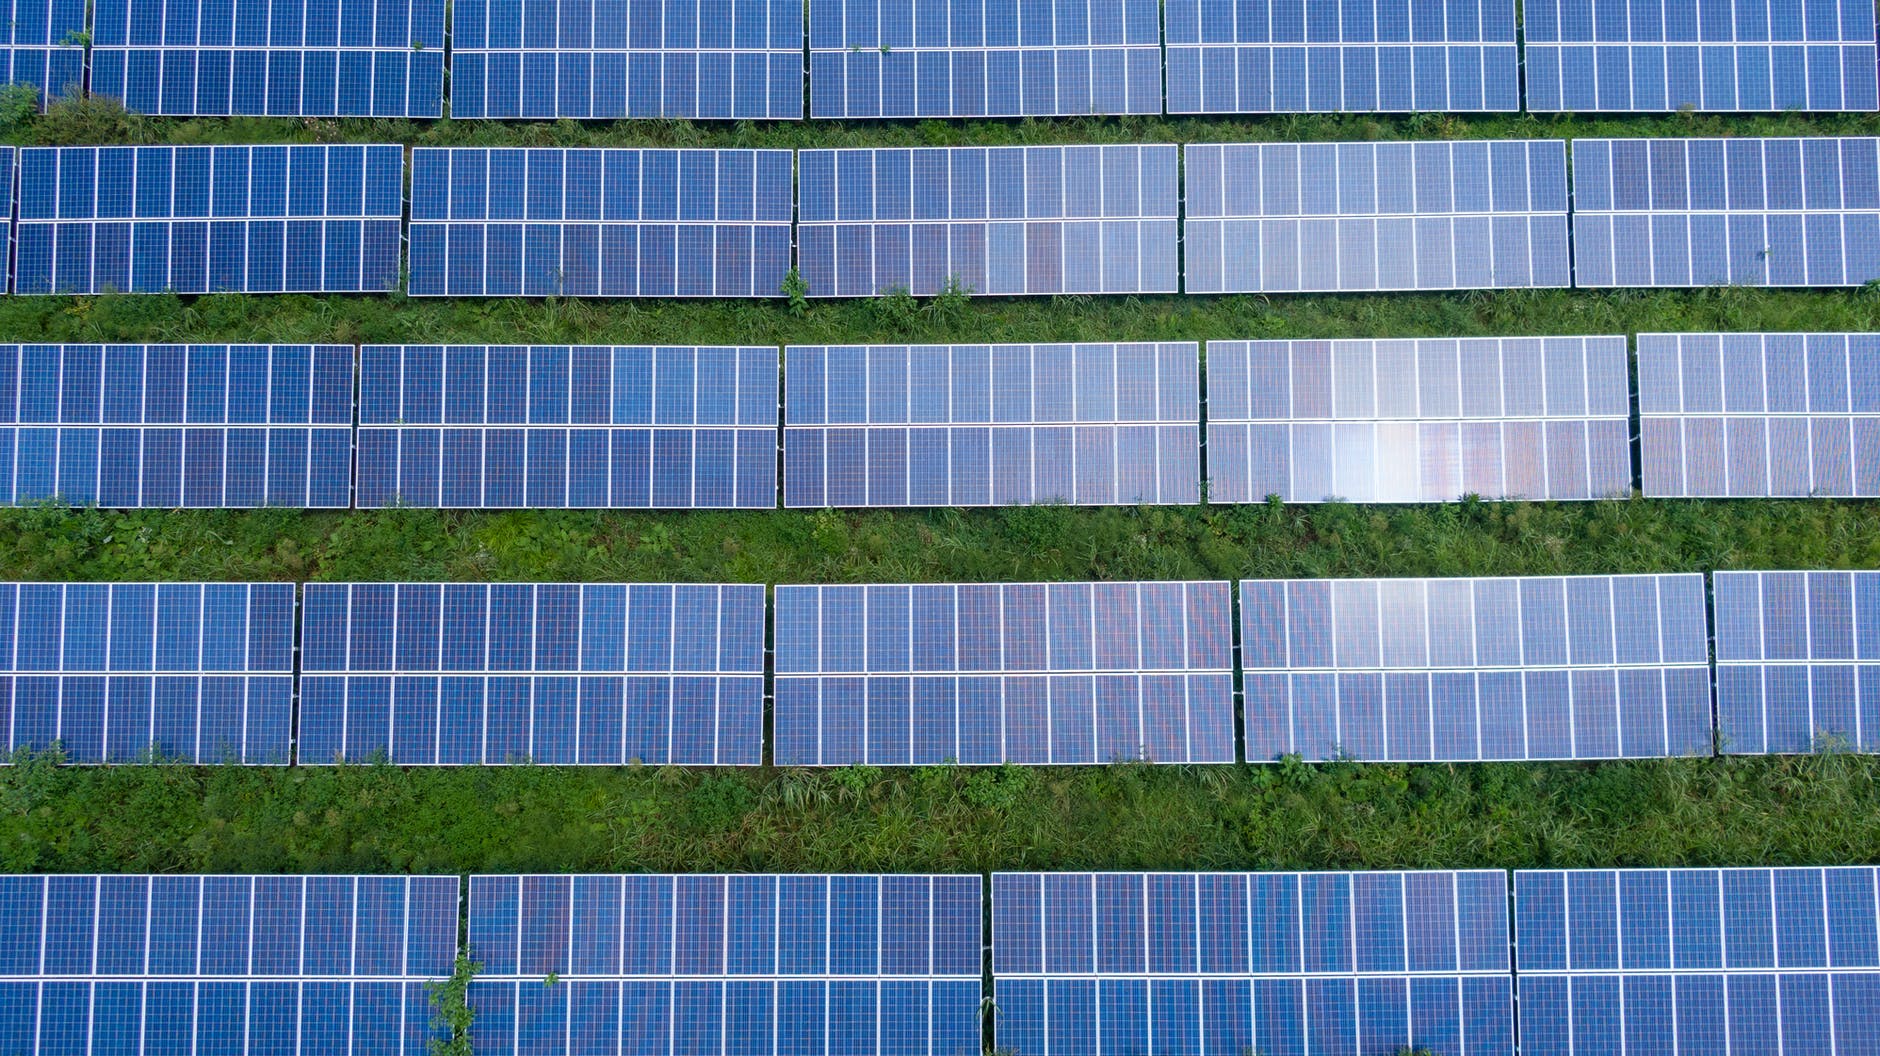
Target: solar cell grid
1061	673
1798	661
42	44
1328	217
1573	667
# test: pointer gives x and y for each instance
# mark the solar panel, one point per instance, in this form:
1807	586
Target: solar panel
338	58
1798	661
981	673
1739	212
1686	961
555	673
638	58
548	427
1111	963
599	223
1759	414
998	425
174	425
1591	55
1330	217
998	220
938	58
1419	420
223	964
303	219
1353	56
1556	667
133	672
760	965
43	44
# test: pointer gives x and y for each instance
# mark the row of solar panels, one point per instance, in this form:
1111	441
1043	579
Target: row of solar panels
1680	962
1005	221
1533	668
745	59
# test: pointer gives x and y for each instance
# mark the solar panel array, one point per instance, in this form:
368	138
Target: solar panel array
727	964
1329	217
553	673
1683	961
1060	673
541	426
344	58
42	44
1005	221
1593	55
1741	212
223	964
977	425
1798	661
130	672
1113	963
1352	56
1573	667
599	223
1419	420
173	425
1759	414
941	58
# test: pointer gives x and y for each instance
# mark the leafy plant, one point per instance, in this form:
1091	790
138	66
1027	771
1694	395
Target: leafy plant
450	1009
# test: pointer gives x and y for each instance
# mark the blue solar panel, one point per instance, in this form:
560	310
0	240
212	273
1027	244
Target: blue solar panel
1004	673
999	220
1351	56
1327	217
941	58
735	59
43	44
1687	961
1798	661
549	427
1591	55
1419	420
1759	414
469	673
1574	667
128	672
1739	212
173	425
754	965
1289	963
980	425
292	58
223	964
600	223
305	219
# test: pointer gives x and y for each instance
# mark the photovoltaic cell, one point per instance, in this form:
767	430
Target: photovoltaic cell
223	964
291	58
1739	212
734	59
1419	420
988	673
554	673
177	425
1798	661
1591	55
1759	414
599	223
1328	217
1687	961
547	427
942	58
1108	964
979	425
1558	667
302	219
42	44
999	220
130	672
1352	56
716	965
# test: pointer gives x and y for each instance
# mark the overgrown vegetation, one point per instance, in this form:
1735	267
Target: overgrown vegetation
452	1016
